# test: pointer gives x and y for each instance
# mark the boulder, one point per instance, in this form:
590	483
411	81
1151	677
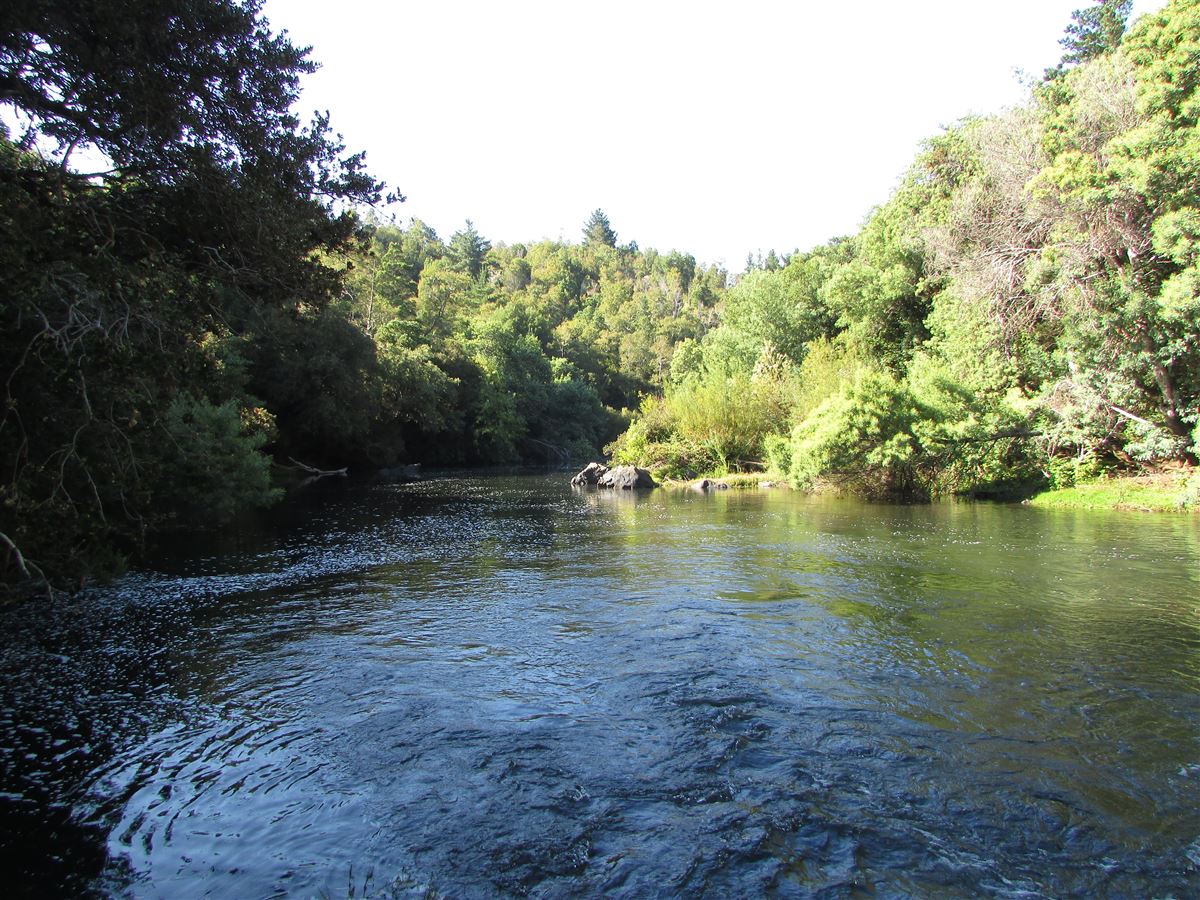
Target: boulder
708	484
626	478
590	475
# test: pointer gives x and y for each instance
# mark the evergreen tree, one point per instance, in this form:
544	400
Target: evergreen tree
1095	30
468	249
597	230
209	233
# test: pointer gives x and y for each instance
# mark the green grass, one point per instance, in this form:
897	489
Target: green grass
749	480
1152	493
737	481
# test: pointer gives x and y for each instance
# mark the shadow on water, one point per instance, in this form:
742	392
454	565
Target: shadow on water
498	685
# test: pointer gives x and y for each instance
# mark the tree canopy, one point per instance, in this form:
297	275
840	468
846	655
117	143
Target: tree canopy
138	296
1095	30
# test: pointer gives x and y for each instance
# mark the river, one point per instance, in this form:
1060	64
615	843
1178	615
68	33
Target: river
500	685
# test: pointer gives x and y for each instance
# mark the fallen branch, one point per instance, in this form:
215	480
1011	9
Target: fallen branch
1127	414
748	464
312	470
563	455
14	550
24	565
994	436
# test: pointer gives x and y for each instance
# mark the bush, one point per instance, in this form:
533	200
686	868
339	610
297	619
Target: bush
864	435
211	464
778	450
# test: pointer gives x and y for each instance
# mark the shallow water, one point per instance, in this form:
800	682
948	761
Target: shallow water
489	685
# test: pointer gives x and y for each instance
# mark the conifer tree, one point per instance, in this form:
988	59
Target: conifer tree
598	230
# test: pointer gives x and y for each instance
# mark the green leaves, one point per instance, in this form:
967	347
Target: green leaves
1095	30
598	230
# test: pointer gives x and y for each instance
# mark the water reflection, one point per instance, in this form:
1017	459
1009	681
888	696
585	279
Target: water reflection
487	685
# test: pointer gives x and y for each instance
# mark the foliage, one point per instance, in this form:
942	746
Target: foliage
1030	291
598	230
468	250
865	433
1095	30
212	467
212	216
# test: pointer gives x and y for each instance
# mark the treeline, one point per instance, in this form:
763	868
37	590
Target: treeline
474	354
1025	306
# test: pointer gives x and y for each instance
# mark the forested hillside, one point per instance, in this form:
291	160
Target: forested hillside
196	290
480	354
1023	307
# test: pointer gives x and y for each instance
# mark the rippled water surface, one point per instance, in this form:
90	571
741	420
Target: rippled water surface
477	686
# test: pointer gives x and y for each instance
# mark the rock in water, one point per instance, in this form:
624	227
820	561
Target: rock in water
626	478
590	475
707	484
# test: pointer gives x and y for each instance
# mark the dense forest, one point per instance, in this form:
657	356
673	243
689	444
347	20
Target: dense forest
197	291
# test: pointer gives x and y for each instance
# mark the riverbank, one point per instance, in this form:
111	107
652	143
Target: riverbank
1161	492
1174	491
739	481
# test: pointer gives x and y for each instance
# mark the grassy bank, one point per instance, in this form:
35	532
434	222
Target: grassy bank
1166	492
741	481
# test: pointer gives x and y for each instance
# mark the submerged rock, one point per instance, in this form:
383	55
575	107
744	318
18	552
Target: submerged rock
708	484
626	478
590	475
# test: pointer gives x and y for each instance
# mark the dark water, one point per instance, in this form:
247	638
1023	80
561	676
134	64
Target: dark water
496	686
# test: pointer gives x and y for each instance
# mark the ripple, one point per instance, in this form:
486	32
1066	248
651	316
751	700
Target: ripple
489	686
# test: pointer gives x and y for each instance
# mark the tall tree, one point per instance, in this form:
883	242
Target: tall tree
125	293
468	249
598	230
1095	30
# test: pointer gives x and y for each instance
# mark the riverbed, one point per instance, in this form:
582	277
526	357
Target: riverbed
497	685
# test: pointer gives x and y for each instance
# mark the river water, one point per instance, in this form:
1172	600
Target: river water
479	686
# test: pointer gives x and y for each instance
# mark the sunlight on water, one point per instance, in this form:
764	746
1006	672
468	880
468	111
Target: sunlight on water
487	685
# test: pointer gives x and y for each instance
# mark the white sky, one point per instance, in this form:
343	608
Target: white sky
716	128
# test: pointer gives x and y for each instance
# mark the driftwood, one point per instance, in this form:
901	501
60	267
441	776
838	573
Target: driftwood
315	472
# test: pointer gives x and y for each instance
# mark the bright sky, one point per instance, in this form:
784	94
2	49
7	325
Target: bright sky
716	128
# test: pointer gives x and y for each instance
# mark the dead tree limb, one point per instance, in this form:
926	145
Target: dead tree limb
994	436
25	565
312	470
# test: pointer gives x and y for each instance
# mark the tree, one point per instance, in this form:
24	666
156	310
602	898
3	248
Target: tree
163	87
441	298
597	230
468	249
213	221
1095	30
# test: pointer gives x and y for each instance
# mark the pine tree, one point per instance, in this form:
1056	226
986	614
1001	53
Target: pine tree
467	250
1095	30
597	230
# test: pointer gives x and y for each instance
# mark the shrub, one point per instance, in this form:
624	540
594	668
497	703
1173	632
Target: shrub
210	460
863	434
